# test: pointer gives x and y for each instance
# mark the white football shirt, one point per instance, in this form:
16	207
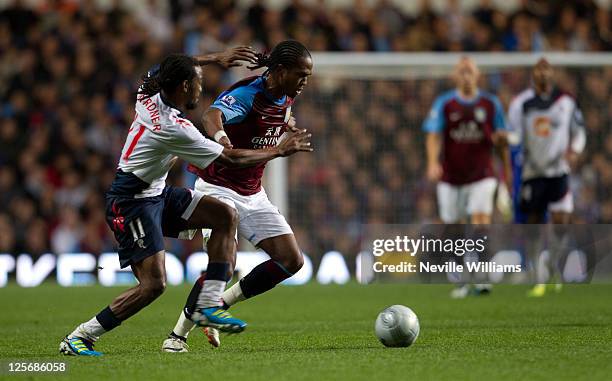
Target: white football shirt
159	134
546	128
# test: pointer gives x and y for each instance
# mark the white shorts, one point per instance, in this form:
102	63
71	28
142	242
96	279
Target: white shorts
565	205
458	202
259	218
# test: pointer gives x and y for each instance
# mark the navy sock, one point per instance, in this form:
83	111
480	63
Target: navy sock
192	299
263	278
107	319
218	271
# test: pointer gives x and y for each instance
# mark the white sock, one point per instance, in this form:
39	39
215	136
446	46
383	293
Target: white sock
210	295
233	295
92	329
183	326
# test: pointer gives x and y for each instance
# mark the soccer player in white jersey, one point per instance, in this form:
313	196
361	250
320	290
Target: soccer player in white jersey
548	124
141	209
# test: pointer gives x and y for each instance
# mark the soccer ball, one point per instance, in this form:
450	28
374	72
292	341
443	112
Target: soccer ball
397	326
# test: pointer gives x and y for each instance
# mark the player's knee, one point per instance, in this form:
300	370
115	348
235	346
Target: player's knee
153	288
227	218
294	263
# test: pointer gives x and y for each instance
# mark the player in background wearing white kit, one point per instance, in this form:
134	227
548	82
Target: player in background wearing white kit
141	209
549	126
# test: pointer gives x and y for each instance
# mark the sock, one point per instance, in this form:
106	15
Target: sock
103	322
183	327
263	278
233	295
192	299
213	285
107	319
90	330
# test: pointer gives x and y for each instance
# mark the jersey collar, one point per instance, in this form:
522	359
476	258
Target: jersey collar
465	101
278	101
171	105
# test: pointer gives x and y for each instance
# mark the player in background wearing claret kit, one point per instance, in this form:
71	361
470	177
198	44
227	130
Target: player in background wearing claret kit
463	128
141	209
548	125
252	114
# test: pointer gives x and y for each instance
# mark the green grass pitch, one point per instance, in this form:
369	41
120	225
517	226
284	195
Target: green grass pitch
319	332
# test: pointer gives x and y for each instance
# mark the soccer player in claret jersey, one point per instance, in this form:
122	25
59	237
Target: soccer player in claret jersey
252	113
548	125
141	209
463	128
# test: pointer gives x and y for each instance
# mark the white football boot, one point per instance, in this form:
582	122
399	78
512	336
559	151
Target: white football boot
174	345
212	334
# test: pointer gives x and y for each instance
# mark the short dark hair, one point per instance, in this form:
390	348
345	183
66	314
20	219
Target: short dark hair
286	53
172	71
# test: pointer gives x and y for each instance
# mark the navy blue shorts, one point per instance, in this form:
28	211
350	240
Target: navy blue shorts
537	194
140	224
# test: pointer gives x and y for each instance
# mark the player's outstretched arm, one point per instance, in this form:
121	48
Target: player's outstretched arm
213	126
294	143
230	58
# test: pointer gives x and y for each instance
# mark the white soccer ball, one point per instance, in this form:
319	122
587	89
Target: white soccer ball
397	326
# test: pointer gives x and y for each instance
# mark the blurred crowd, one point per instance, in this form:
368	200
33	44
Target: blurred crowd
69	70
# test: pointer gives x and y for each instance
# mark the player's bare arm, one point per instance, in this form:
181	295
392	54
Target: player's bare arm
502	146
294	143
230	58
213	126
432	145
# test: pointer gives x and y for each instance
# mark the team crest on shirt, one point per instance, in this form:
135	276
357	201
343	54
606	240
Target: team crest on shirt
480	114
542	126
228	100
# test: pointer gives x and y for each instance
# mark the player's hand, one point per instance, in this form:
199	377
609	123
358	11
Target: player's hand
291	124
434	172
295	142
225	142
572	159
236	56
509	182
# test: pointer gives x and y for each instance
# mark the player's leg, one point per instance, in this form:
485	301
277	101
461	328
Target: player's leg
137	227
481	199
151	275
286	259
448	202
560	215
177	339
536	195
450	209
204	304
265	227
191	210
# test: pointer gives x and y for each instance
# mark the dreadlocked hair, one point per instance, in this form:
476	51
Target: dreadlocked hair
286	53
173	70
